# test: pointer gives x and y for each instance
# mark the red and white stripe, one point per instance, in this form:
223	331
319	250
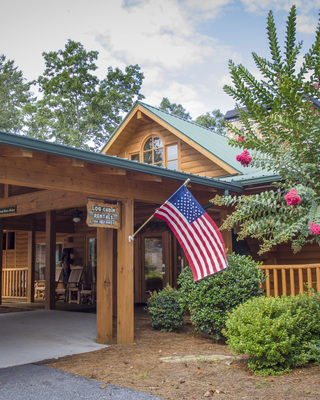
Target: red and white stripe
201	241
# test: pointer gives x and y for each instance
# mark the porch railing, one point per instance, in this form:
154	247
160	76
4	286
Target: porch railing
14	283
281	279
291	279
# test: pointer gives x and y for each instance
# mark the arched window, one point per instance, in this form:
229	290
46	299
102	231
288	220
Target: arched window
153	151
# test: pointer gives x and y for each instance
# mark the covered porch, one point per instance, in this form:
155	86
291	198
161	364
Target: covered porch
42	184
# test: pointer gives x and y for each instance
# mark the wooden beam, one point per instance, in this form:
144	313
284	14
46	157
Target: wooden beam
143	177
105	170
104	285
6	191
16	152
41	201
50	261
125	298
143	117
94	185
31	264
78	163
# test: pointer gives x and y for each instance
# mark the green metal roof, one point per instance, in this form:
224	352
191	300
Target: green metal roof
25	142
253	177
214	143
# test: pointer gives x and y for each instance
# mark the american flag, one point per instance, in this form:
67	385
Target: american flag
196	232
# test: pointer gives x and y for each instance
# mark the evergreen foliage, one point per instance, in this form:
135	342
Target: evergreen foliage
210	299
280	116
277	333
15	96
165	309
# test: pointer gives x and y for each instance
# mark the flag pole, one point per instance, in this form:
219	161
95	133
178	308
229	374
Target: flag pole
131	237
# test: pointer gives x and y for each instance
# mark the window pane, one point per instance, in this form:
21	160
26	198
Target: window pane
135	157
147	157
172	152
11	240
153	264
158	155
157	142
148	144
173	164
159	164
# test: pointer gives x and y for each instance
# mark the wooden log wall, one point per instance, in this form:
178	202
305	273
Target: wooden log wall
190	159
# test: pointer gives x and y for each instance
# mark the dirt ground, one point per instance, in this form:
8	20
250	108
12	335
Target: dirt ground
141	366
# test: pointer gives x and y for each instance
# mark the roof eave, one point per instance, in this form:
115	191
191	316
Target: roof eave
18	141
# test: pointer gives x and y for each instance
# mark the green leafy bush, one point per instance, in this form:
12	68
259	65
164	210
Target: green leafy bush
275	332
314	351
165	309
209	299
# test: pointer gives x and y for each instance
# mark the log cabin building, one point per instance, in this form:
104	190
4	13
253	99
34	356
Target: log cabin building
49	192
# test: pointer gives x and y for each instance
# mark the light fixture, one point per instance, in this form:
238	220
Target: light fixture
76	216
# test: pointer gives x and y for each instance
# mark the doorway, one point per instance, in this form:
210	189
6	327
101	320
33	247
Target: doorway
156	262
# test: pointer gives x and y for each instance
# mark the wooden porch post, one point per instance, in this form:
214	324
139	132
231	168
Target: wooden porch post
227	235
1	257
31	264
50	260
104	285
125	295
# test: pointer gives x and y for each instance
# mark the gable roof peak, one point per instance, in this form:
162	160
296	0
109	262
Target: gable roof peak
148	106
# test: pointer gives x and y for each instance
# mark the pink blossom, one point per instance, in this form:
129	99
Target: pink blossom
244	158
241	139
292	198
315	85
312	109
314	228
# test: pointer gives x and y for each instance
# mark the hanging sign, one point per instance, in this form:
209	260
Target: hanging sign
8	210
103	215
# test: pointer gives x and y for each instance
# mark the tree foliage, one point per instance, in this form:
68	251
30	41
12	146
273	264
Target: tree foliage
76	108
15	96
213	121
281	133
174	109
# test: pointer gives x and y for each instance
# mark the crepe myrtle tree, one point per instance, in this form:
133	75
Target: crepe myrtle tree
280	132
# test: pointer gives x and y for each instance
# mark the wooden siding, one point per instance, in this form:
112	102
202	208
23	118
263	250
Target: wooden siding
196	163
190	160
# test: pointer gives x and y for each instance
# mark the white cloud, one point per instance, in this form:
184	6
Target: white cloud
263	6
307	24
205	9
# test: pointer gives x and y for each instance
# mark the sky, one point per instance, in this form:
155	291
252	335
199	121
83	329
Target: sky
182	46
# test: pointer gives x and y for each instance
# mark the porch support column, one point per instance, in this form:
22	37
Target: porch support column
50	260
226	234
104	285
31	264
125	298
1	257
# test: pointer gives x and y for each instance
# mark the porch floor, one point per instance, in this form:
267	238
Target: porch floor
33	334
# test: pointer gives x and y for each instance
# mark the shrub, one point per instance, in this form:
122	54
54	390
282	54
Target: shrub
209	299
165	309
275	332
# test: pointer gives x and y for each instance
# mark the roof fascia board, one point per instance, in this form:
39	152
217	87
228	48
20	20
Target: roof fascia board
199	148
121	127
13	140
